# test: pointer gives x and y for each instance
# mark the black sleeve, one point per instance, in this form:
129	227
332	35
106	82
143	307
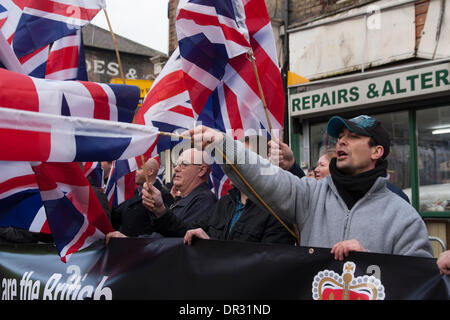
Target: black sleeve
296	170
167	197
169	225
275	232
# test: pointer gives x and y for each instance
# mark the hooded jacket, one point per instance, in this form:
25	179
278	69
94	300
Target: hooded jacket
381	221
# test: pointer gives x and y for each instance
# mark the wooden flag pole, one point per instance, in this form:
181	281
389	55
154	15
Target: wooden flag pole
144	167
256	194
266	110
261	93
116	47
236	170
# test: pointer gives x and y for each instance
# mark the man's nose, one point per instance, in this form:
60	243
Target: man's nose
342	140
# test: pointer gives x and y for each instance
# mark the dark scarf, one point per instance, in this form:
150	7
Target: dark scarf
353	188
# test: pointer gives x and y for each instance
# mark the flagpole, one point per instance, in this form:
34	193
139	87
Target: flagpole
116	47
261	93
266	110
236	170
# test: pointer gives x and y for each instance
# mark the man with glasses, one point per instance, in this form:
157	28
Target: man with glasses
191	180
192	171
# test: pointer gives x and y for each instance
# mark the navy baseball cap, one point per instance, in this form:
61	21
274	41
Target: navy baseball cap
364	126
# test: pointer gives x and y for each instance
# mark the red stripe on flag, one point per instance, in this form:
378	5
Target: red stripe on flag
255	10
64	173
46	228
208	20
234	35
198	18
199	92
27	57
65	58
257	17
22	145
169	86
271	82
18	91
183	110
101	103
232	109
18	182
80	242
69	11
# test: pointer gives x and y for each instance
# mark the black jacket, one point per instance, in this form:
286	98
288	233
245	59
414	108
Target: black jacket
254	225
132	218
197	205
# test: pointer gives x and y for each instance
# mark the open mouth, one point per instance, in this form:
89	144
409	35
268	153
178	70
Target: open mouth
341	155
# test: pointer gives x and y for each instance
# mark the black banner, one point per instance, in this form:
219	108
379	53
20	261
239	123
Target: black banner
166	269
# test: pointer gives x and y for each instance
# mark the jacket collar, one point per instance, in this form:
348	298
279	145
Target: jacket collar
199	189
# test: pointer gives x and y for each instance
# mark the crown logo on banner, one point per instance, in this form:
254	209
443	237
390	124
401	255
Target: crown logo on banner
328	285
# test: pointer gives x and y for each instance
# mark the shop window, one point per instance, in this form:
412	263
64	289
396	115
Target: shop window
396	123
433	127
320	141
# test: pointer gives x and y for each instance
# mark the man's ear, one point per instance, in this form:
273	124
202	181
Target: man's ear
377	152
204	171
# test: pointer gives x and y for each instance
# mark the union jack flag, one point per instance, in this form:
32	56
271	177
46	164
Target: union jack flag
83	99
20	201
234	105
66	60
30	26
34	136
93	170
209	34
167	105
64	189
115	102
121	183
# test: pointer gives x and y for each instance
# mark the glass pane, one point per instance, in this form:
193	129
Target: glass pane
396	124
433	126
320	141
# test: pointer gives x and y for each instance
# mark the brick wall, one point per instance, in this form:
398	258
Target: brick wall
102	65
173	41
421	8
301	11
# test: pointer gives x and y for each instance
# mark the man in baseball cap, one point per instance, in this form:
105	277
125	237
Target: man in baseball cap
362	144
349	210
362	125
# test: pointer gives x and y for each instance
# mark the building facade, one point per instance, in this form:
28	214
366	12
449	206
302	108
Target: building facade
140	64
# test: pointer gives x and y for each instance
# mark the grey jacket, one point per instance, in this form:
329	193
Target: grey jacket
381	221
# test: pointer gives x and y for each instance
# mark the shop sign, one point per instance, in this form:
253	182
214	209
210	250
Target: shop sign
372	91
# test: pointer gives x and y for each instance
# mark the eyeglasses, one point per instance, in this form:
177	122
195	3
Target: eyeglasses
184	164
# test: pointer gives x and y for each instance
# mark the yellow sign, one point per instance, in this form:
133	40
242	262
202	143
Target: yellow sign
294	78
144	85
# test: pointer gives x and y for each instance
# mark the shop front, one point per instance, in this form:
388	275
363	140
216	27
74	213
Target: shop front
413	103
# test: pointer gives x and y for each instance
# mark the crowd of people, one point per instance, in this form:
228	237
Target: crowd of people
338	206
345	202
